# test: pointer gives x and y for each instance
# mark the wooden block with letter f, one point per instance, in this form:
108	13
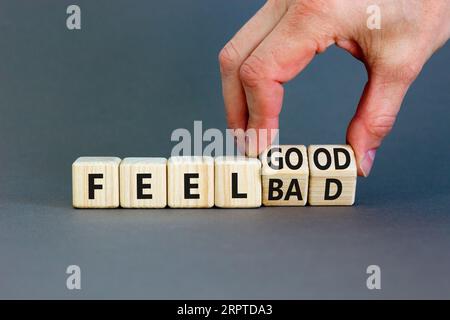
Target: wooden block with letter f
190	182
95	182
237	182
285	175
333	175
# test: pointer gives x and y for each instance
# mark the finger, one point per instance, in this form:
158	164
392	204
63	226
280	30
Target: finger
375	117
236	51
280	57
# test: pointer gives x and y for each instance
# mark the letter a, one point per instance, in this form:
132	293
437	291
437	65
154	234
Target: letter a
374	20
74	280
73	21
374	280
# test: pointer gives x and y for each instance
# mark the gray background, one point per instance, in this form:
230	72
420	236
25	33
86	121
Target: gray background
139	69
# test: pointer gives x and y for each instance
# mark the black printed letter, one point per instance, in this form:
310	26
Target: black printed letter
275	186
92	185
141	186
294	190
328	182
316	159
337	165
188	186
234	187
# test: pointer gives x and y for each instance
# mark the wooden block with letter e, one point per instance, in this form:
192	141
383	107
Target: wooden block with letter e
190	182
285	173
143	183
238	182
95	182
332	177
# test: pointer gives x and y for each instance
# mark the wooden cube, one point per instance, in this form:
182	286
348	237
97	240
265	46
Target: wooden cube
143	183
285	173
237	182
332	177
95	182
190	182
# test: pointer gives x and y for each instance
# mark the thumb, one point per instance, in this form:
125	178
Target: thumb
376	114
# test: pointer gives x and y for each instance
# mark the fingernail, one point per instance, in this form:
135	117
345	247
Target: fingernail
367	162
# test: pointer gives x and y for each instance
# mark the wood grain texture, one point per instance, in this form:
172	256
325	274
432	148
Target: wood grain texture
196	171
285	175
143	183
104	173
246	173
333	166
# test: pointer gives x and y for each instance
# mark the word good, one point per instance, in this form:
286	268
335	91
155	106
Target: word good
287	175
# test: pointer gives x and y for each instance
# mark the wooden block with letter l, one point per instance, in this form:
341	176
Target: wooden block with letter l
332	177
237	182
190	181
285	173
95	182
143	183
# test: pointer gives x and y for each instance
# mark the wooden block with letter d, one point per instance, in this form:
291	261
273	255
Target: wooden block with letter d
95	182
238	182
285	173
190	182
332	179
143	183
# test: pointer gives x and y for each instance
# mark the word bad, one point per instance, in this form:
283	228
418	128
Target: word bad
287	175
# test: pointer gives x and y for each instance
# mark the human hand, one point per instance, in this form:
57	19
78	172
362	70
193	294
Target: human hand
285	35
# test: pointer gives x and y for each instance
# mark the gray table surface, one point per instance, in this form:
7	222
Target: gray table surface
138	70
